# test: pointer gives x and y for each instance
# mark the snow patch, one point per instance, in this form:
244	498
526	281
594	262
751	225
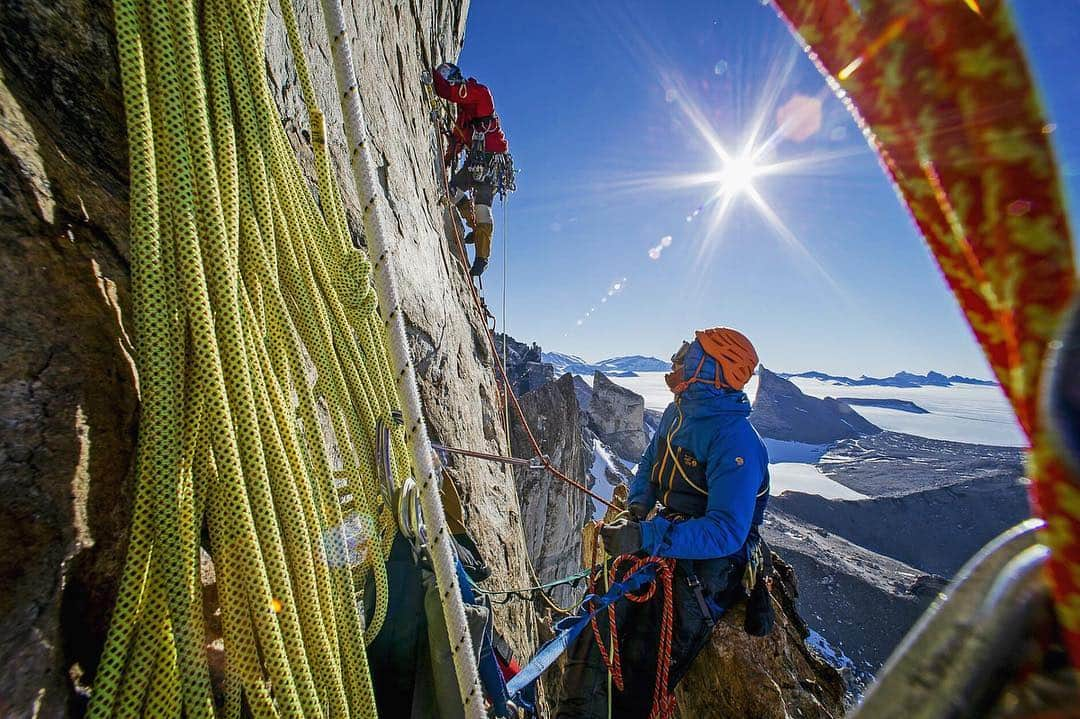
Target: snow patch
604	461
781	450
835	657
808	479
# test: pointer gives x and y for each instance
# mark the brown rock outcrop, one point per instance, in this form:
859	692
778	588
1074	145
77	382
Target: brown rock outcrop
617	415
553	512
782	411
772	677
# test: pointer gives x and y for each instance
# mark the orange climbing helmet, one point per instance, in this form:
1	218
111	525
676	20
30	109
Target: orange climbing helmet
732	351
734	360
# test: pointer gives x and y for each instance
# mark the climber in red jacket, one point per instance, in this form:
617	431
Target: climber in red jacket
477	131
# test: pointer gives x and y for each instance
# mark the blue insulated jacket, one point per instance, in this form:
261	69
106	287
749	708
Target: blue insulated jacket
709	425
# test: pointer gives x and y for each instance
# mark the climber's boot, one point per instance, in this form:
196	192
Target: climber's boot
481	236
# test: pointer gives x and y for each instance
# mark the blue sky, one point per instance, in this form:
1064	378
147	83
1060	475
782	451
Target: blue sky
594	98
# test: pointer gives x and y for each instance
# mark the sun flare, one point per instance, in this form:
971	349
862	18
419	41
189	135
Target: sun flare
738	174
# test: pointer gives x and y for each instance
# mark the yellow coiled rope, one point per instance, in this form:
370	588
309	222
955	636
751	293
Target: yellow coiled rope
263	372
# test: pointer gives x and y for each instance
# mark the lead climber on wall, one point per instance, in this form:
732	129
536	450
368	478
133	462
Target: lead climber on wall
698	496
487	167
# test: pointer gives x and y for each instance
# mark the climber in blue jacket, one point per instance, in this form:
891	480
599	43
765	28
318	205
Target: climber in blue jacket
698	496
706	464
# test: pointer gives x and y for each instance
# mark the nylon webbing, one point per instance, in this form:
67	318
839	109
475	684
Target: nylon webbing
263	371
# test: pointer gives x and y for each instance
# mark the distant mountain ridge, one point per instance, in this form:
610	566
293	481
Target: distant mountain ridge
567	363
900	379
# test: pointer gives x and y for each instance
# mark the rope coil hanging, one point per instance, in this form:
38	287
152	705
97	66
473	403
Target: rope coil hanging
257	346
663	706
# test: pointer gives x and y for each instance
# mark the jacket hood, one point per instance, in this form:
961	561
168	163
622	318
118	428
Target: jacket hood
703	398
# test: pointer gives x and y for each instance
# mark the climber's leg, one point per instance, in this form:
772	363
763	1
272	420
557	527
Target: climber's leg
460	184
485	226
718	581
482	237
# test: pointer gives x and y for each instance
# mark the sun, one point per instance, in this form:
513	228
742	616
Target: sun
738	174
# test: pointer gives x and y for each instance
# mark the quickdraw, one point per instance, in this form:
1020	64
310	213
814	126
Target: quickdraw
533	463
531	593
490	320
495	168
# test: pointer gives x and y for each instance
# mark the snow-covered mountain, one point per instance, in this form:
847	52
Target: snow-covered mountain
900	379
573	364
633	363
561	361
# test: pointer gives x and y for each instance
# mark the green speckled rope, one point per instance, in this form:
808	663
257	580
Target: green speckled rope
256	336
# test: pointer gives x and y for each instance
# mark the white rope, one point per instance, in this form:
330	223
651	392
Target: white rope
505	325
439	539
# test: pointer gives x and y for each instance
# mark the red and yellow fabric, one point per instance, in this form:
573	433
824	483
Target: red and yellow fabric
944	91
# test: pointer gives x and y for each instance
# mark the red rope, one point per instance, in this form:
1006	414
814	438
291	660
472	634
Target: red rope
663	704
502	369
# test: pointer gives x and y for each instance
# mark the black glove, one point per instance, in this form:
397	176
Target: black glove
639	511
622	536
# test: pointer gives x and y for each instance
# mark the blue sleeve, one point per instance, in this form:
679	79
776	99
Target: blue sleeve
642	490
735	475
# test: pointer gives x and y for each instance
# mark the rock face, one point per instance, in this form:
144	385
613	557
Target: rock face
68	390
617	415
553	512
652	421
605	469
67	383
584	394
869	567
782	411
772	677
882	464
901	405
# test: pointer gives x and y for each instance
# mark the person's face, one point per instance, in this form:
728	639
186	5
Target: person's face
675	376
679	357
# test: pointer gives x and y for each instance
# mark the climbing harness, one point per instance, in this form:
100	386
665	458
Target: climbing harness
494	168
